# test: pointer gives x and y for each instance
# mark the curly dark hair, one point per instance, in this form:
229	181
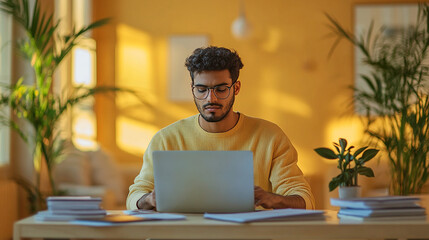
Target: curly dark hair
214	58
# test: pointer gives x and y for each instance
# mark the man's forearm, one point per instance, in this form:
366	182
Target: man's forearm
293	201
272	200
276	201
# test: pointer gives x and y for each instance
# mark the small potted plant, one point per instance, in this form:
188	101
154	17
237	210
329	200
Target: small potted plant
350	164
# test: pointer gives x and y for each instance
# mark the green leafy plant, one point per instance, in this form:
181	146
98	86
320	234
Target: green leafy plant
395	97
350	164
36	103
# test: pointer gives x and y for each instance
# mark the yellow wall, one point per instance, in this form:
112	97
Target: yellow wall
287	77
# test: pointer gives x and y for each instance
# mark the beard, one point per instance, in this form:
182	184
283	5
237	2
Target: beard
211	117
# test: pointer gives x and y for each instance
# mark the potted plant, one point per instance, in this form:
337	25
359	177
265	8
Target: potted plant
37	104
396	99
351	164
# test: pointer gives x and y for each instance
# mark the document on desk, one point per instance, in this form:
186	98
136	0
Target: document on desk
269	215
109	220
121	219
161	216
154	215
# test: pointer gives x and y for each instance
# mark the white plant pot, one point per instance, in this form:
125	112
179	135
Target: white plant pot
349	192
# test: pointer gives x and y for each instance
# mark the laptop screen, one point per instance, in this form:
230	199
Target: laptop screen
203	181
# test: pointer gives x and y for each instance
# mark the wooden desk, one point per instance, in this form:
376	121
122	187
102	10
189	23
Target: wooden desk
196	227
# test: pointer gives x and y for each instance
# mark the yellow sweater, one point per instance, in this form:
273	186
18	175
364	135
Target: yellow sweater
275	159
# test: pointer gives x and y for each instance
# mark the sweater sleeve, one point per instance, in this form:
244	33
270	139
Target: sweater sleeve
286	177
144	182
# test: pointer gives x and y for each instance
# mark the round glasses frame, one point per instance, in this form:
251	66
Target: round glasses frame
215	91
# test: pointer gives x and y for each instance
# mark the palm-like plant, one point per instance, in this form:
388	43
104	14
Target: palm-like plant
45	48
396	100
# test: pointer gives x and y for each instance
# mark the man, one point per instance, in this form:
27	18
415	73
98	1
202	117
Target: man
214	72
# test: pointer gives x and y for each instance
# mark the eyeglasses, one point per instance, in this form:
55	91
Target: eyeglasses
202	92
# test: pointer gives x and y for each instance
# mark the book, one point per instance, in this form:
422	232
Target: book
377	202
383	212
72	198
79	203
355	219
49	216
77	211
269	215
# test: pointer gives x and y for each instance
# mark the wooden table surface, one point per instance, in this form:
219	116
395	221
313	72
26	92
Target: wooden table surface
196	227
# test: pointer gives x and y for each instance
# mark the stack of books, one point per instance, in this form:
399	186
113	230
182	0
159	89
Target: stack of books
67	208
380	208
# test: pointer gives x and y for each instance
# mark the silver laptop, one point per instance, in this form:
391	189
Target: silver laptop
203	181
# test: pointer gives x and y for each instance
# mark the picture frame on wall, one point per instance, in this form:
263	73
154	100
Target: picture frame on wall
179	48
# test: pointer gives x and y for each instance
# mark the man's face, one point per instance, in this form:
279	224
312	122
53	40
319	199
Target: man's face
213	109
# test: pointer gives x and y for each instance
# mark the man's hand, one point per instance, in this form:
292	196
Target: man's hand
147	201
271	200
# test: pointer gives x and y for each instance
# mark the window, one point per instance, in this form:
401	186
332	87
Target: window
80	125
84	124
5	78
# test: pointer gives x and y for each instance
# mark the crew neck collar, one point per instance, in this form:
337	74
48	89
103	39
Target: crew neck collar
220	134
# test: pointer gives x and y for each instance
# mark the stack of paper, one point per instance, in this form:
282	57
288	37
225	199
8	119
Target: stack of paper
66	208
269	215
380	208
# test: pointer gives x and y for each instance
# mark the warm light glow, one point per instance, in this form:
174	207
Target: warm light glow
134	68
84	130
349	128
84	126
141	65
85	144
286	103
83	67
144	113
133	136
273	39
84	63
306	161
177	112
